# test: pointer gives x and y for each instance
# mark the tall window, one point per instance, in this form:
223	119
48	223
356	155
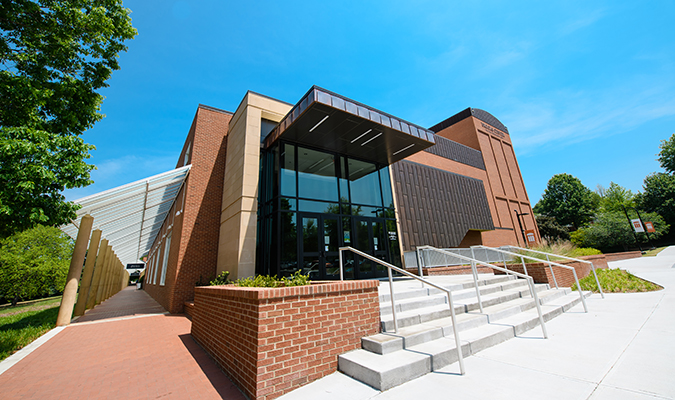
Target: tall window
154	270
165	262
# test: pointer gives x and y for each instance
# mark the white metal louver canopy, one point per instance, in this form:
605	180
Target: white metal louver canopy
130	216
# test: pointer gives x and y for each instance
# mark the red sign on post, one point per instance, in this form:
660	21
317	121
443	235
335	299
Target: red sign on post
650	227
531	236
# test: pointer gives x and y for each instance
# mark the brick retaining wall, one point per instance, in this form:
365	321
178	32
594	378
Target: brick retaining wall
273	340
622	256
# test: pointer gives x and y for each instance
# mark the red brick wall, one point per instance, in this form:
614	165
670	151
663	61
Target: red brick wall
565	278
194	244
622	256
271	341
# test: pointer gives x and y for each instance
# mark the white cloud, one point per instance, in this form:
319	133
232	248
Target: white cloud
580	116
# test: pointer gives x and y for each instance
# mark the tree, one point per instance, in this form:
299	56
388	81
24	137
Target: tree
550	229
567	200
659	196
611	230
54	56
616	197
34	263
667	154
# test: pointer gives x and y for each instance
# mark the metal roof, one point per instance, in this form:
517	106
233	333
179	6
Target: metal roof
130	216
336	123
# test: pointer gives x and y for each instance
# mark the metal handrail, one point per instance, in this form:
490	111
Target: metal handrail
597	281
523	257
458	343
528	278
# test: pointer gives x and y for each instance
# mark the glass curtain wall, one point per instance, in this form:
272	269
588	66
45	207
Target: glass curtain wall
313	202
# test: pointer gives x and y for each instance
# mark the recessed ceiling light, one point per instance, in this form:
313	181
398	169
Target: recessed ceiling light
364	134
319	123
372	138
404	149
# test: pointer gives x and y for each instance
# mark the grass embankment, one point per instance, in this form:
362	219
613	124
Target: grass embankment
653	252
616	281
562	247
22	324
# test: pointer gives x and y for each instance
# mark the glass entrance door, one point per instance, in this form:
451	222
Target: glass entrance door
319	242
371	238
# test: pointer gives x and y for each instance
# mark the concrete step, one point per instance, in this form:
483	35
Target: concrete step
424	299
437	311
418	350
415	288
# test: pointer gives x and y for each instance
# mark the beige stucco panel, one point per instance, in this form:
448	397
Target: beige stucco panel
236	252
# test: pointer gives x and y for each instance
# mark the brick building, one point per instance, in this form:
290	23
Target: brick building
276	187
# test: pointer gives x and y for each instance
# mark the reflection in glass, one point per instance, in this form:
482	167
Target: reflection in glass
331	234
310	246
288	171
319	207
379	240
344	183
287	204
387	196
316	175
289	244
364	183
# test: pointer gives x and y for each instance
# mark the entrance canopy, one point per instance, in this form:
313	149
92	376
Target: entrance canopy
335	123
130	216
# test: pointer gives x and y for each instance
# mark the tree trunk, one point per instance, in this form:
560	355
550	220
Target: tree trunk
15	300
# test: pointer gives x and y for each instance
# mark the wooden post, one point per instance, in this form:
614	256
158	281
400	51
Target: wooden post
104	274
74	272
88	272
98	270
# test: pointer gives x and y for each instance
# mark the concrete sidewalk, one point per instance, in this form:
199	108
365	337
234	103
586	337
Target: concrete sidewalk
125	348
622	349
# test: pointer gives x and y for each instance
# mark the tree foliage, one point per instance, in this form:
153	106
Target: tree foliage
567	200
550	229
667	154
34	263
615	198
659	196
611	230
54	56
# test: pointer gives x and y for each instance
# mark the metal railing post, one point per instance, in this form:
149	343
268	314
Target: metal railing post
391	295
342	277
475	280
596	281
552	273
581	292
536	302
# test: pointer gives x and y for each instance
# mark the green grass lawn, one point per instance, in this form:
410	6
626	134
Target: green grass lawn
22	324
616	281
652	253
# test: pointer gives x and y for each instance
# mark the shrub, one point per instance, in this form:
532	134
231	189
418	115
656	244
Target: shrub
34	263
222	279
297	279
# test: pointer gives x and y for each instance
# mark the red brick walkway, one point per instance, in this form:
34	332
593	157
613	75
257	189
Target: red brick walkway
135	358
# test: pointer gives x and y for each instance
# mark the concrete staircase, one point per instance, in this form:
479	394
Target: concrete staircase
425	340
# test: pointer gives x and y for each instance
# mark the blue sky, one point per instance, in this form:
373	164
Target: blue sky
586	88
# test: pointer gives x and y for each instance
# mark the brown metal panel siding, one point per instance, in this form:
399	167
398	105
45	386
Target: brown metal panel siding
446	148
438	207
